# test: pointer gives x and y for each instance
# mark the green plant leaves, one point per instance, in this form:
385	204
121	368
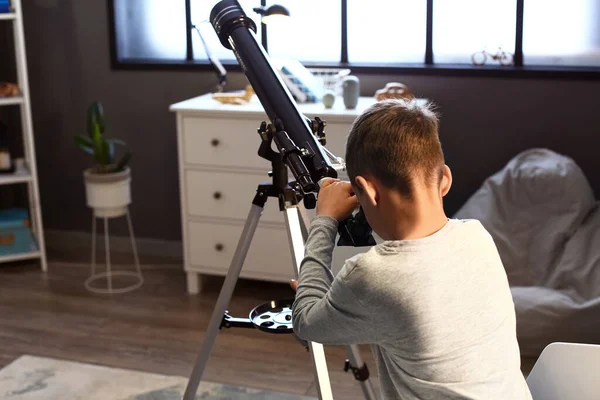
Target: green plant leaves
95	144
98	146
124	161
95	119
117	141
85	143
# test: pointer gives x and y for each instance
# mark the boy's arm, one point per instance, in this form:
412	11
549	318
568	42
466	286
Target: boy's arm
326	310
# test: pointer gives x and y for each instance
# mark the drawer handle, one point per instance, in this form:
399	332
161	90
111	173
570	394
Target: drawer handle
219	247
217	195
215	142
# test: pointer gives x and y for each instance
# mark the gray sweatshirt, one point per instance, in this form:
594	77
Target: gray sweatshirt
437	312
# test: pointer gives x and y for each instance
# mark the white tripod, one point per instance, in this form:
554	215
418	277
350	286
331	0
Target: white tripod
296	222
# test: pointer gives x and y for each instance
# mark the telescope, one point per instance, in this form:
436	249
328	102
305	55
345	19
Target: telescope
298	139
299	146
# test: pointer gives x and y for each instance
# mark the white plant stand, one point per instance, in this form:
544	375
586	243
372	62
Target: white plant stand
109	273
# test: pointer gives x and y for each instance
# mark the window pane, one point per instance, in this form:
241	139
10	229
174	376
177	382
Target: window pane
149	29
375	38
311	33
462	28
200	17
561	33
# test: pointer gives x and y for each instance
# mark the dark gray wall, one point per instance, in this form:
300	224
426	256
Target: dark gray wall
484	121
68	54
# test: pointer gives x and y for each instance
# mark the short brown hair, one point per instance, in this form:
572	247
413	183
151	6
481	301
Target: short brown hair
394	141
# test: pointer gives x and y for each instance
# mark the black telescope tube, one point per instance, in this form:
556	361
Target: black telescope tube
236	31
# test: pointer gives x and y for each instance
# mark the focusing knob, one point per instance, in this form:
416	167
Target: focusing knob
310	201
262	131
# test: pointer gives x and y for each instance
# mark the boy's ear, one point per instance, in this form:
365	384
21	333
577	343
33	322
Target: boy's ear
446	181
367	190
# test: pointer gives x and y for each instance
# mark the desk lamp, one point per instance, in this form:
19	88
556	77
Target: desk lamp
268	13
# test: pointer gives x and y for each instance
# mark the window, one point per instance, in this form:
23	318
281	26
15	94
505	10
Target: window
557	32
148	30
462	28
397	36
312	34
436	35
200	10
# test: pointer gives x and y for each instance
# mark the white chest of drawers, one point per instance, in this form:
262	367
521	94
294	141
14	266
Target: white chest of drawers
219	171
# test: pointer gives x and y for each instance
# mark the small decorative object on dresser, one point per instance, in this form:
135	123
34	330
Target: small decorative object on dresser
330	78
240	97
394	90
108	193
302	84
328	99
218	175
351	91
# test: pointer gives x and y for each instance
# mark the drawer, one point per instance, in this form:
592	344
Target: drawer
229	195
234	142
226	195
222	142
213	246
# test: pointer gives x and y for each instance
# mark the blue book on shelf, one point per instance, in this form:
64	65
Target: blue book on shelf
15	235
4	6
13	217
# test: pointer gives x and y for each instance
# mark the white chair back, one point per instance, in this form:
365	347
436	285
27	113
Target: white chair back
566	371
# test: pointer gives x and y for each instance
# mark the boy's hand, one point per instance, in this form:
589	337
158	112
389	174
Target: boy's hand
336	199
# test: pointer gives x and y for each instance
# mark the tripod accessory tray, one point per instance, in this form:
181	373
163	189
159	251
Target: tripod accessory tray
274	316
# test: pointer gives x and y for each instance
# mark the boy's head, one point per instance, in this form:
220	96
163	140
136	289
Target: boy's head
395	162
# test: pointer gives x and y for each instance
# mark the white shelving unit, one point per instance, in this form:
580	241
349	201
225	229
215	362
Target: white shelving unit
21	175
26	173
9	101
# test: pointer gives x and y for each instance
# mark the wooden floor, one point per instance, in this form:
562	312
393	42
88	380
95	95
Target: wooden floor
158	328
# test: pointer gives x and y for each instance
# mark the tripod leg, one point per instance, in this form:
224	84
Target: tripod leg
353	352
360	371
296	239
223	300
304	221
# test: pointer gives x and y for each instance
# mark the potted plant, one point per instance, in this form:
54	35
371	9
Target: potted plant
108	182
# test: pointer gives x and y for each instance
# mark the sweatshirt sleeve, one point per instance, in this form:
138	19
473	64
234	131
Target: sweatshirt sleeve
326	309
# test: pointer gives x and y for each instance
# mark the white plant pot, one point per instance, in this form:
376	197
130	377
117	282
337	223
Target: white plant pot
108	194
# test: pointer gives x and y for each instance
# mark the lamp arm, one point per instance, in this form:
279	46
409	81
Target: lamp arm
221	71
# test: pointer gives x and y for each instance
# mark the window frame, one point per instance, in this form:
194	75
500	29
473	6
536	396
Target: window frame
428	67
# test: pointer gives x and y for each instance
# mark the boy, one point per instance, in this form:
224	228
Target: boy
433	299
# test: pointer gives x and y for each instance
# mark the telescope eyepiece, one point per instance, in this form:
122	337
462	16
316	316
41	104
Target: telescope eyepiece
226	17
